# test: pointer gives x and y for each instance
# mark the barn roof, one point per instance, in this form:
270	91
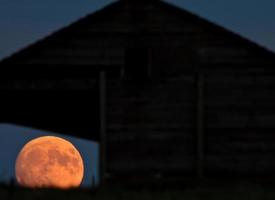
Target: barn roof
106	14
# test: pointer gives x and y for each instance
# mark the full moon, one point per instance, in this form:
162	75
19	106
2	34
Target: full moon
49	162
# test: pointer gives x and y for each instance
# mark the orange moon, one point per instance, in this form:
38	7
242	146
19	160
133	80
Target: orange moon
49	162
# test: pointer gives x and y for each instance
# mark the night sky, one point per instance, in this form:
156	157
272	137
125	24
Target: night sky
24	21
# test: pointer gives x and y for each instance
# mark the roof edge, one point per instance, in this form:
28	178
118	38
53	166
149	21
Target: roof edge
175	9
36	44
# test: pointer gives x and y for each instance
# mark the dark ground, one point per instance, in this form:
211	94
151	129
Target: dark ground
243	191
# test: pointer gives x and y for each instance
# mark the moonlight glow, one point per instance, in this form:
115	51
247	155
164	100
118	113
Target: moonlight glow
49	162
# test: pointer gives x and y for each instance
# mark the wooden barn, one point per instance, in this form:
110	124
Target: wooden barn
167	93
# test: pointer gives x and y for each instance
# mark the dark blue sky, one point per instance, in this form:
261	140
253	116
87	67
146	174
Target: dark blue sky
24	21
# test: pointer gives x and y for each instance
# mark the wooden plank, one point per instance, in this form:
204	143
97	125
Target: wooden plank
200	124
102	103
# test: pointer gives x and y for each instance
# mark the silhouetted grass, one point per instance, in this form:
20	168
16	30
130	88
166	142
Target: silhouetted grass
234	192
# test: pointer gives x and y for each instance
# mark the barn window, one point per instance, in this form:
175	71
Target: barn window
137	63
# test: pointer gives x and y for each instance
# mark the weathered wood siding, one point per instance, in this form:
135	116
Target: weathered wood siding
150	129
63	104
240	120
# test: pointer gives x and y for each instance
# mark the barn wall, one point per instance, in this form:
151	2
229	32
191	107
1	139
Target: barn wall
150	126
49	103
140	120
151	122
240	124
